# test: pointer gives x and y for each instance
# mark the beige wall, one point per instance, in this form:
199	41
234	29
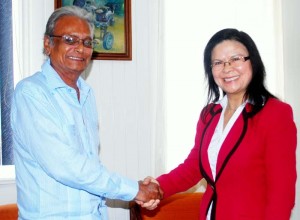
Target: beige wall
291	46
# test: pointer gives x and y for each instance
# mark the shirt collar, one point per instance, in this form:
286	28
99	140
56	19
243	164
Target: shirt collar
223	102
55	82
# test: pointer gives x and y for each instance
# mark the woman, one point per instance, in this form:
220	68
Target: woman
245	142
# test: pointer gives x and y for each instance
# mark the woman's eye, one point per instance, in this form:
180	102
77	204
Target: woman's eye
217	63
234	59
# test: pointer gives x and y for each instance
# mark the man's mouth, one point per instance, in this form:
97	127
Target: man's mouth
76	58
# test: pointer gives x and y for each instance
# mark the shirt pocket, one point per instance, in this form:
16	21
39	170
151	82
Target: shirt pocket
94	137
73	137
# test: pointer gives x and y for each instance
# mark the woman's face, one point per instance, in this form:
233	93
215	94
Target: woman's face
231	72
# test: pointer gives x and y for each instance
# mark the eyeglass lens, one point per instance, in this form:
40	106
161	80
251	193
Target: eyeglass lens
74	40
234	61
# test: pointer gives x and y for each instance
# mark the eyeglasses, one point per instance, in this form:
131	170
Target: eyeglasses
74	40
234	62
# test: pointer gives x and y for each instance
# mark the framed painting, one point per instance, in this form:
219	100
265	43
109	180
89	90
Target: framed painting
112	19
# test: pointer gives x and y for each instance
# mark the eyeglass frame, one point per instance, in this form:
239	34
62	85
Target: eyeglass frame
63	37
231	60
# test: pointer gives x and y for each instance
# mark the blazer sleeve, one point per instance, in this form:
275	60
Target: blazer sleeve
185	175
281	163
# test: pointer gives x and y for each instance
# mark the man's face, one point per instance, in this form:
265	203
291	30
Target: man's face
69	61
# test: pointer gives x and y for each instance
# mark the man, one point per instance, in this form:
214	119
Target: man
55	132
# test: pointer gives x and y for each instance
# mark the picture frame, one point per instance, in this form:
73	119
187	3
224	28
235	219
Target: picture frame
112	27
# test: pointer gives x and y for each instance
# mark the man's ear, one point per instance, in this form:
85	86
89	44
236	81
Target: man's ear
47	45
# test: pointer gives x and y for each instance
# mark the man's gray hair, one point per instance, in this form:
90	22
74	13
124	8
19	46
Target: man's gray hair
68	11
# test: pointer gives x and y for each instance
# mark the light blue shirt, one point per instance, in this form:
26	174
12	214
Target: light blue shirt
56	152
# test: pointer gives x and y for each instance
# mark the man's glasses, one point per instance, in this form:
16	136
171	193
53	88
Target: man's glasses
74	40
237	61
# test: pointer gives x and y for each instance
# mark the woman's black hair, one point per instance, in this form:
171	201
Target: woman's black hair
256	92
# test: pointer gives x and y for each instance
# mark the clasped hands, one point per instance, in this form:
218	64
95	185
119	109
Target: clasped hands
149	194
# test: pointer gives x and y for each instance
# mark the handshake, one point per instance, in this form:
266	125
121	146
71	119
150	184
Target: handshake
149	194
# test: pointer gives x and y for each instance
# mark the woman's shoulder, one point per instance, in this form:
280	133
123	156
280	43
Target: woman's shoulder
275	103
277	108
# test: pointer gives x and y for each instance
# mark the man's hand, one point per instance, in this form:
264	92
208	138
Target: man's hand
147	192
153	190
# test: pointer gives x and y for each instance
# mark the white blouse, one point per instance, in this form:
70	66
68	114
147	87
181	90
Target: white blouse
219	137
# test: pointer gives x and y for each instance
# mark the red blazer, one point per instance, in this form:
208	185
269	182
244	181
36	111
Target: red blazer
256	166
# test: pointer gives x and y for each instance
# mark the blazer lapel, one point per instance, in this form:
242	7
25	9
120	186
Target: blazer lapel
207	135
231	143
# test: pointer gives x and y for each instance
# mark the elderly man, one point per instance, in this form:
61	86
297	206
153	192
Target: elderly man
55	132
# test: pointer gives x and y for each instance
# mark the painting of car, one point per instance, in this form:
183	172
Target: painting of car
103	18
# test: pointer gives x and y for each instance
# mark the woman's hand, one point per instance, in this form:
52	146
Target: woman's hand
153	203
